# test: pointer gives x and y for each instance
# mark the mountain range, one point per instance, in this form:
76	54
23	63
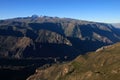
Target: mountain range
36	37
31	42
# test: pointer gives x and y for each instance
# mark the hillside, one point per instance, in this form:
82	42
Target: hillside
27	43
36	37
104	64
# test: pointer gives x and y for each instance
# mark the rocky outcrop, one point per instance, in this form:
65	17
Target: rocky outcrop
45	36
17	50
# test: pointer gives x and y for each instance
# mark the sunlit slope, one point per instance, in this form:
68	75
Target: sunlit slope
104	64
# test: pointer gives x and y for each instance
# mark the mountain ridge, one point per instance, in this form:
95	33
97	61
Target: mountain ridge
100	65
54	30
31	42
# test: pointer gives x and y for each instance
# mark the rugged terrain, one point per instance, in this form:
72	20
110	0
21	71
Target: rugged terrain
45	37
103	64
27	43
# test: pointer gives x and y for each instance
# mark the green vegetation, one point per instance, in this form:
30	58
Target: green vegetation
100	65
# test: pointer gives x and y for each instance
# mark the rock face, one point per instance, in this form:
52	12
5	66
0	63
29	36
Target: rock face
101	65
46	37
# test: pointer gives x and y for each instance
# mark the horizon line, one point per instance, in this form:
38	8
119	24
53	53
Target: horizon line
99	21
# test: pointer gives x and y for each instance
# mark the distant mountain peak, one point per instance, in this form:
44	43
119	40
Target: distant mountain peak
35	16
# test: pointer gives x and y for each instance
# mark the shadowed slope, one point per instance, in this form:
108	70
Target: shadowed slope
104	64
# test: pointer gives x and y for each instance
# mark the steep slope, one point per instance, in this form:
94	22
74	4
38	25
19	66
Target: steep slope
36	37
27	43
14	45
104	64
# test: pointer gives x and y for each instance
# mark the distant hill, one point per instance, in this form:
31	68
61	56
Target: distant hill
116	25
104	64
53	37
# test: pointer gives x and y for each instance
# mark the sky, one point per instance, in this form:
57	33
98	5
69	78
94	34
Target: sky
107	11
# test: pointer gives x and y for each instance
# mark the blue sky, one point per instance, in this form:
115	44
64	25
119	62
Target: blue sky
92	10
